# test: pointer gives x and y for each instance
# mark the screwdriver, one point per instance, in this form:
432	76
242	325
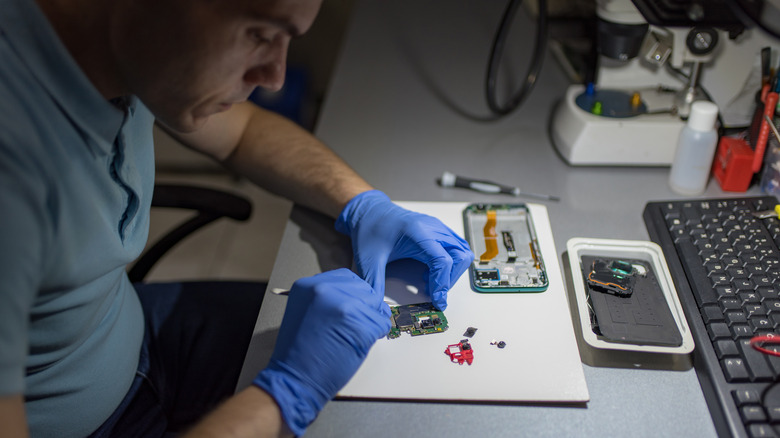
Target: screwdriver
449	179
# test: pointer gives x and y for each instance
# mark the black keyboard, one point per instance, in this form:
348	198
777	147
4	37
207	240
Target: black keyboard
725	264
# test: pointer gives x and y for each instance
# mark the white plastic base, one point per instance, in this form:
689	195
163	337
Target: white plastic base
585	139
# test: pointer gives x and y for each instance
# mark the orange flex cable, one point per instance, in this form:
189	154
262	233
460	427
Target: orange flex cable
537	265
491	242
605	283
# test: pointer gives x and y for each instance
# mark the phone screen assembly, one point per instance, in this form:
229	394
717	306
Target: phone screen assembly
506	252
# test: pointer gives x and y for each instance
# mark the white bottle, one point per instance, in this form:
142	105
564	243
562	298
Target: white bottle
695	150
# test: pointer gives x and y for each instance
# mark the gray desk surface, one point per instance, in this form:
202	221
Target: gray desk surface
403	107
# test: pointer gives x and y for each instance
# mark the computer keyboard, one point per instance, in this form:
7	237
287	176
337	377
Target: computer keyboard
725	264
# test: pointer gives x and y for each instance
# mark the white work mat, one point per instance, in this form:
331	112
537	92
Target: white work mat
540	362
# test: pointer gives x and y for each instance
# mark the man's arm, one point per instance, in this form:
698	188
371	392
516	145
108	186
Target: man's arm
283	158
279	156
12	417
250	413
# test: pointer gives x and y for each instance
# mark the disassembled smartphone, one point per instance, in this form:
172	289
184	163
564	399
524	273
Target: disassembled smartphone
626	302
506	251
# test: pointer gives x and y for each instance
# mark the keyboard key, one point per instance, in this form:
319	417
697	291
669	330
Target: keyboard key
744	285
752	310
712	313
753	414
767	292
742	331
730	304
735	370
726	347
748	257
746	397
755	362
716	267
736	317
773	414
719	330
761	431
730	261
760	323
725	291
720	280
772	305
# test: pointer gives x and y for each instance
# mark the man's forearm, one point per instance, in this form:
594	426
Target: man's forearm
277	154
250	413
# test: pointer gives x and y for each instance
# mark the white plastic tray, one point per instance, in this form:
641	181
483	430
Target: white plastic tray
634	249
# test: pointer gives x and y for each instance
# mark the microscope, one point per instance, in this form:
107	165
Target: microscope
653	64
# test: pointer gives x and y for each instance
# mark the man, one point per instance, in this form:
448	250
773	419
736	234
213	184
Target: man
81	82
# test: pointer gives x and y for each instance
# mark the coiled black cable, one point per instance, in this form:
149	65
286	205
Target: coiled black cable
540	45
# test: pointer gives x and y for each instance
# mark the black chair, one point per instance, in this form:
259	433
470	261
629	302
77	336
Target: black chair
234	305
209	205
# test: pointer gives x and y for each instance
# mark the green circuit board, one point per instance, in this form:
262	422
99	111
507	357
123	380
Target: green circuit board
417	319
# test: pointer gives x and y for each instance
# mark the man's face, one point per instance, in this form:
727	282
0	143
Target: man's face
189	59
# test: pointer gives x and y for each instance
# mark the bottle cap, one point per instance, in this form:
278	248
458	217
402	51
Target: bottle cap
703	115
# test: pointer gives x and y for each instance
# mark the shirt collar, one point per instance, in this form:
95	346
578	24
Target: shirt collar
29	33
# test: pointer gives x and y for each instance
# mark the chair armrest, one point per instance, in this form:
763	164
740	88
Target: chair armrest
210	205
205	200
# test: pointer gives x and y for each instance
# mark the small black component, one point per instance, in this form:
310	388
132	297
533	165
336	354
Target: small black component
470	332
464	344
487	274
501	344
509	244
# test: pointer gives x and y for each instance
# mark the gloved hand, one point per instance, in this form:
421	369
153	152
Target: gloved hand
331	321
383	232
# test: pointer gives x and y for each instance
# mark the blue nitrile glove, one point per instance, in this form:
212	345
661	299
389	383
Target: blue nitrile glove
383	232
331	321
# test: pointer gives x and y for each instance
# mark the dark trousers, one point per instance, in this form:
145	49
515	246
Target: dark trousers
194	346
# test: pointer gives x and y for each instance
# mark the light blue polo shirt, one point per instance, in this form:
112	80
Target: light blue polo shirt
76	179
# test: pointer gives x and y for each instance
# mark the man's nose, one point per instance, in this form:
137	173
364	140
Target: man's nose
269	72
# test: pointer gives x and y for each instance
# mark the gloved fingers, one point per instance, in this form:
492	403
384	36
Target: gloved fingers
368	325
346	298
447	260
365	292
458	242
461	259
372	268
331	286
366	314
357	288
353	285
440	270
385	309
